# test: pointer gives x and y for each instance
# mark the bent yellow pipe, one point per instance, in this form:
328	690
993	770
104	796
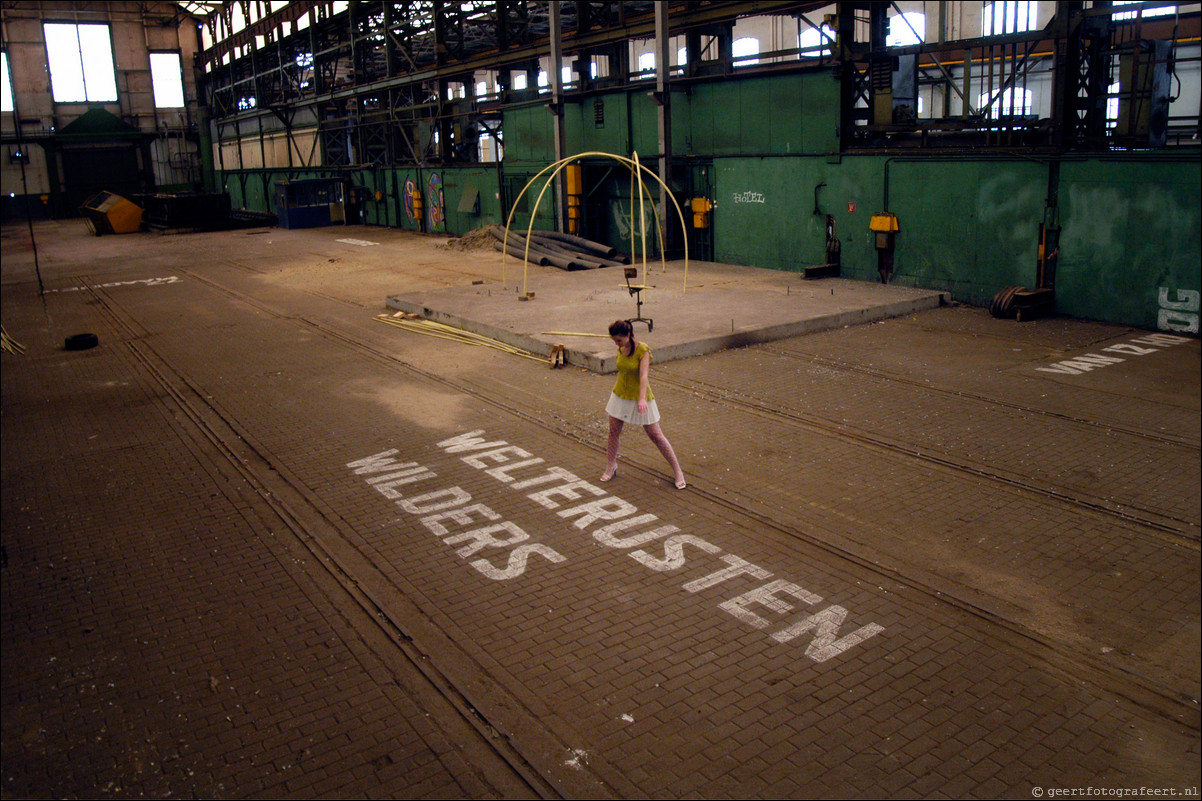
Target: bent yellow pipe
555	168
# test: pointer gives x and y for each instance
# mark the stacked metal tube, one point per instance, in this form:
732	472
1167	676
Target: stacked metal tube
566	251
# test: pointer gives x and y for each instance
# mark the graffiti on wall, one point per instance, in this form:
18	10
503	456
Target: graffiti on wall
410	207
436	212
1180	313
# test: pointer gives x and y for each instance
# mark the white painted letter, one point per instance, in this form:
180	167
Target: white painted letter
605	534
497	455
471	441
738	567
552	474
502	473
517	561
374	464
766	596
1134	350
1187	300
567	490
429	503
483	538
673	552
605	509
826	623
461	516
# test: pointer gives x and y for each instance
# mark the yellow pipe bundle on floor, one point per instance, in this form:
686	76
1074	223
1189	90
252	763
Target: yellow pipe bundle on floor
448	332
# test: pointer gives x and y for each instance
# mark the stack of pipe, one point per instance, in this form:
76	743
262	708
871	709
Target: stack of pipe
566	251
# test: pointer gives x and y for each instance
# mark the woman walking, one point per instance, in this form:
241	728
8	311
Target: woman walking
633	402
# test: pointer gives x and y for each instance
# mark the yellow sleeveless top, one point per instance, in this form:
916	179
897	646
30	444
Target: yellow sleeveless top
627	386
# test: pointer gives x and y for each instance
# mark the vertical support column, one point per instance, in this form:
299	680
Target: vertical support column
439	123
846	47
556	77
664	107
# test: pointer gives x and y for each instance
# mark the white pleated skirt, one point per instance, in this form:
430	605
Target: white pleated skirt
628	411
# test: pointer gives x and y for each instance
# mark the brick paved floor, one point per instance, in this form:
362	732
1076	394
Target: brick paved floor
252	550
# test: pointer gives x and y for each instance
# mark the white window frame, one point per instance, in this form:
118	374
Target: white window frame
816	37
1121	16
76	76
167	79
1008	103
745	51
7	102
1016	16
900	34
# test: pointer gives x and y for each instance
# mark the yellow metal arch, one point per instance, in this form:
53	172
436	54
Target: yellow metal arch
636	169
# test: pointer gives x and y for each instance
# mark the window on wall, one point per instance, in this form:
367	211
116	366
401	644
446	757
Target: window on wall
907	29
6	89
81	63
1012	102
745	51
167	80
1013	16
1158	11
811	39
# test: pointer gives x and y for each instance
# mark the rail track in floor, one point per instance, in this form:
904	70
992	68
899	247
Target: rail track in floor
317	527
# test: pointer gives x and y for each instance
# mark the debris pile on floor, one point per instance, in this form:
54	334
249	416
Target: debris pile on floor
479	239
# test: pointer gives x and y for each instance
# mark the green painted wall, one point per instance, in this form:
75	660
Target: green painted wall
726	118
761	116
1129	247
968	226
764	207
1130	244
529	134
480	181
442	191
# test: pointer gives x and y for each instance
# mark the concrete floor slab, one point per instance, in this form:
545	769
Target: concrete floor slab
706	309
257	544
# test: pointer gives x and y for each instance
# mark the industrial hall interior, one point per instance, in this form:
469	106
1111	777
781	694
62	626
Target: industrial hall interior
311	311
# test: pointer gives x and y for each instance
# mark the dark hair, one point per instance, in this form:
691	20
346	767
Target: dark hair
623	328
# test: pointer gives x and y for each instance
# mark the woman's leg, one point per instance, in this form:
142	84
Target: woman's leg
611	450
657	436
